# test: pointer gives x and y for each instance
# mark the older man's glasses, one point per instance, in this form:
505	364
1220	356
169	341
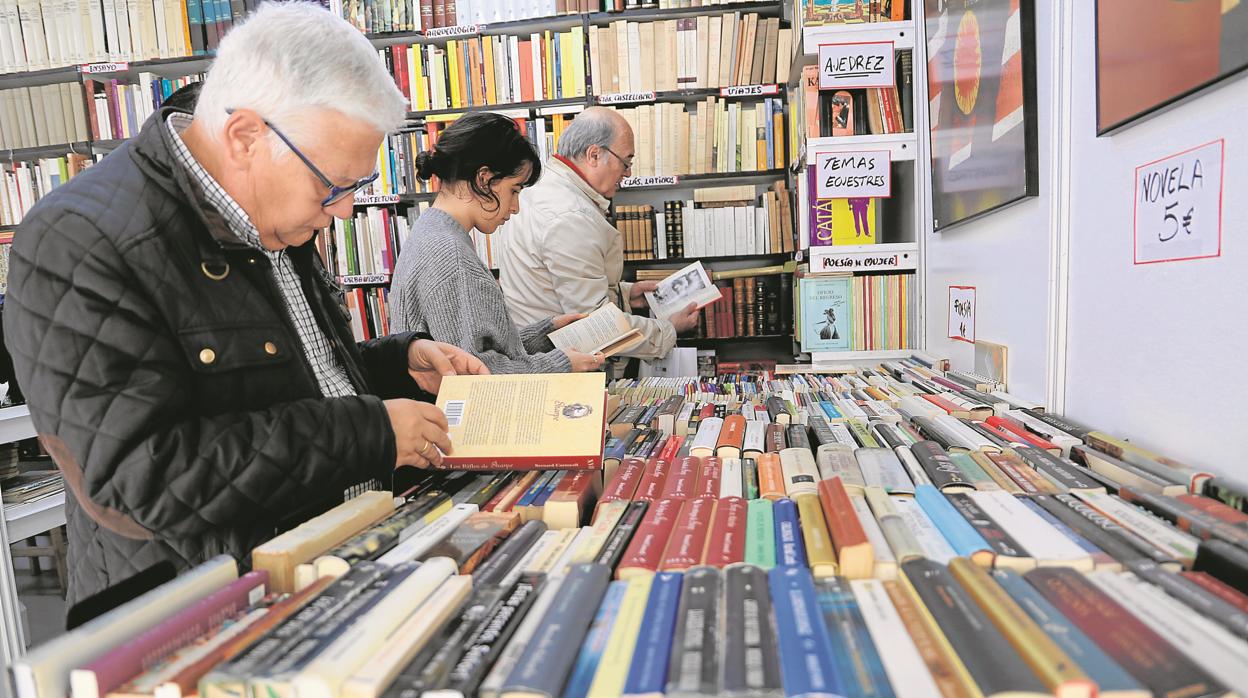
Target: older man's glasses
628	164
336	193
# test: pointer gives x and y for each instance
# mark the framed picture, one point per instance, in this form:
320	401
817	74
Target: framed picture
1152	54
982	104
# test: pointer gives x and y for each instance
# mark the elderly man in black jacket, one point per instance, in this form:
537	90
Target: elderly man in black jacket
186	358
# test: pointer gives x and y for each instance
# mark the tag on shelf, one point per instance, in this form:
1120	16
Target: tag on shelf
626	98
376	199
659	181
364	279
97	68
749	90
462	30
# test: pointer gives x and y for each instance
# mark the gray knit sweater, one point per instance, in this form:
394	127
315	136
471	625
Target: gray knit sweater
441	287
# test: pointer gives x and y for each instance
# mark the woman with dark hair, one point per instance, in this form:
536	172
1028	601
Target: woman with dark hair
441	286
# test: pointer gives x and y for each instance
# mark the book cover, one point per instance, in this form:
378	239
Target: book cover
645	550
790	549
841	221
590	655
647	671
858	660
826	313
751	662
807	666
760	534
693	667
560	426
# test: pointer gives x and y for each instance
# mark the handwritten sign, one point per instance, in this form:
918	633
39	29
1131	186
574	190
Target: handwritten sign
962	313
858	174
97	68
863	64
1178	206
660	181
376	199
749	90
626	98
365	279
834	258
463	30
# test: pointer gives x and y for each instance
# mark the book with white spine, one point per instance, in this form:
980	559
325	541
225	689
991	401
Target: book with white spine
842	435
1041	540
850	409
966	436
1016	402
703	444
1151	528
1055	436
881	468
907	672
801	474
730	474
935	546
885	411
838	460
552	550
885	566
755	438
898	535
44	671
429	536
1206	643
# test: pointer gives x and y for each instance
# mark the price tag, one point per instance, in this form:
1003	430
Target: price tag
863	64
96	68
463	30
749	90
662	181
377	199
365	279
860	174
626	98
962	313
1178	206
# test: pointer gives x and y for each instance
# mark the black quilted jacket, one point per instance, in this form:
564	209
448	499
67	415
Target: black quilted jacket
165	377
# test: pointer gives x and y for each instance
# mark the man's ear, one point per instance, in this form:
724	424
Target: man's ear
243	136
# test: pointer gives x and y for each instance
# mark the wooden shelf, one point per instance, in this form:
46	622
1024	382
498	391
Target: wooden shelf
682	261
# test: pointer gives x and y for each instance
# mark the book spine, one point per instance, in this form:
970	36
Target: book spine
760	534
590	655
647	671
859	664
790	550
694	665
646	550
817	542
616	544
727	540
751	664
688	539
805	649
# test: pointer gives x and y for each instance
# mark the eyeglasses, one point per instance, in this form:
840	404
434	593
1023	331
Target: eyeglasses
628	164
336	193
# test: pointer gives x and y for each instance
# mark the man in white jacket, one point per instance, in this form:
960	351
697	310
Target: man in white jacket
561	255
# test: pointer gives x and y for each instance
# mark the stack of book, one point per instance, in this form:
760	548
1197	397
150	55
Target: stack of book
24	183
842	312
717	222
490	70
891	529
32	486
711	136
692	53
385	16
754	302
42	116
116	110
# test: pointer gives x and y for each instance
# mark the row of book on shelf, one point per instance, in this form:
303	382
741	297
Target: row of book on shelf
844	312
710	136
24	183
890	529
857	112
815	13
717	222
756	301
117	110
43	115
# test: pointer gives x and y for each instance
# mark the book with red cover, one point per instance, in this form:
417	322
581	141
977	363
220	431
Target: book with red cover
726	542
1216	509
682	481
708	478
645	550
567	505
671	447
848	537
1020	432
774	439
625	482
135	656
731	437
426	15
771	477
1219	588
653	480
688	541
525	51
1143	653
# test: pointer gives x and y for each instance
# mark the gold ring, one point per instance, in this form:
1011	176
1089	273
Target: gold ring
424	448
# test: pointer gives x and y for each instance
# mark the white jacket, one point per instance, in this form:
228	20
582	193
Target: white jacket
561	255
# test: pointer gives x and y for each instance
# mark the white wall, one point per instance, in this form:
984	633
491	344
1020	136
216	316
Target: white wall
1004	256
1151	352
1156	351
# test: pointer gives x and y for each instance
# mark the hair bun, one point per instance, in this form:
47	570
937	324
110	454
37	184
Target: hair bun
426	164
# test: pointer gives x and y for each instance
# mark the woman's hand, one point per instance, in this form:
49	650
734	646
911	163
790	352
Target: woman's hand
562	321
582	362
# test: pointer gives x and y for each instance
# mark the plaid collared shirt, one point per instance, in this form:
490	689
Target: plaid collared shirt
330	375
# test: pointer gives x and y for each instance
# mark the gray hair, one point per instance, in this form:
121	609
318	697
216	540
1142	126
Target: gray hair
595	126
288	59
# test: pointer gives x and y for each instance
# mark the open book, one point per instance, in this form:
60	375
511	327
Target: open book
688	285
605	330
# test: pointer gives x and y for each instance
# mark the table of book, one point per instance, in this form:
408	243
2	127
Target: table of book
890	529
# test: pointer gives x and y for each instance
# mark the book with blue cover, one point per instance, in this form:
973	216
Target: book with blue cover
790	548
806	663
858	661
647	673
591	650
827	313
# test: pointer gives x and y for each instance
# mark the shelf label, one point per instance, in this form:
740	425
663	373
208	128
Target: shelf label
749	90
365	279
827	258
1178	206
376	199
626	98
463	30
857	174
660	181
95	68
854	65
962	313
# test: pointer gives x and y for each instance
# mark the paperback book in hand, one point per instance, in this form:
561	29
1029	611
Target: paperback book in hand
688	285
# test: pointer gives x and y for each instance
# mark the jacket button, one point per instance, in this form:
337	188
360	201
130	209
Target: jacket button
270	348
207	356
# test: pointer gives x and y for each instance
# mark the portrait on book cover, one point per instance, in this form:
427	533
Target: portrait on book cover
981	78
826	313
1152	54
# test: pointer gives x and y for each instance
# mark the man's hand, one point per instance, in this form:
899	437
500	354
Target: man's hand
637	294
428	361
685	320
420	436
562	321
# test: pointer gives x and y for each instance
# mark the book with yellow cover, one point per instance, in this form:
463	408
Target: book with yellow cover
524	422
